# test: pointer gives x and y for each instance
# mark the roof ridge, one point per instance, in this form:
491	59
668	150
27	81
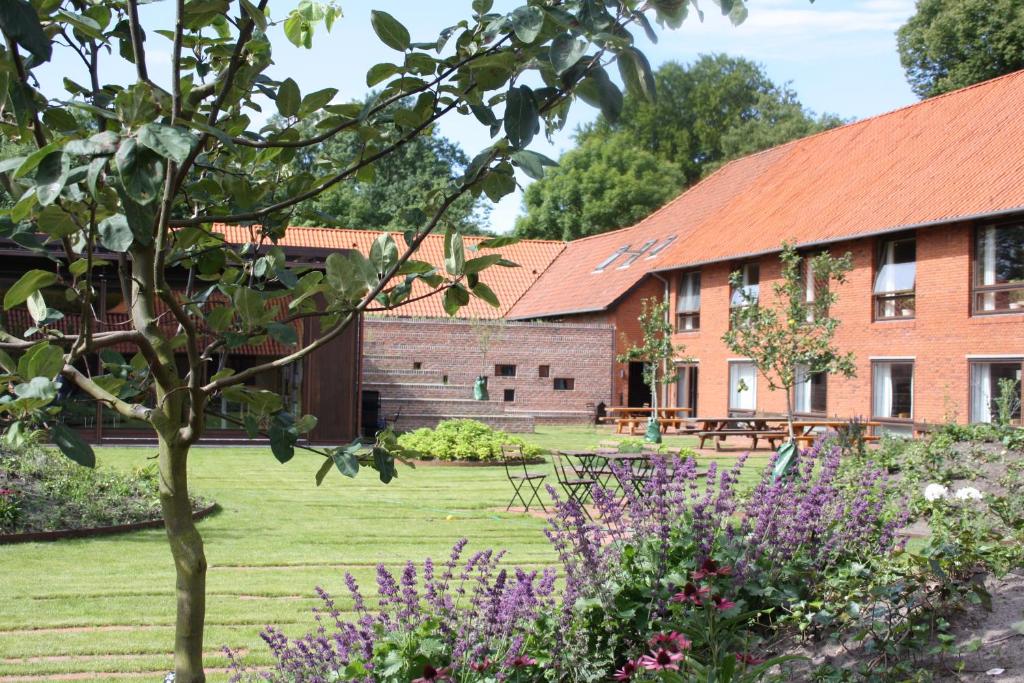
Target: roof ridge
323	228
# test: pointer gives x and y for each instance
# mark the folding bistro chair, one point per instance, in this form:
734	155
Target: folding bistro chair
576	487
512	457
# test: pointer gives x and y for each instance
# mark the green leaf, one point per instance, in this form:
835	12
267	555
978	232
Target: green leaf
380	72
258	17
36	307
521	116
141	171
288	98
55	222
566	51
315	101
527	22
383	252
636	73
32	281
598	90
7	363
496	242
41	360
454	252
115	233
282	442
475	265
389	30
72	445
167	141
249	305
51	176
384	463
295	28
482	291
283	333
33	160
532	163
324	469
20	23
346	462
92	176
42	388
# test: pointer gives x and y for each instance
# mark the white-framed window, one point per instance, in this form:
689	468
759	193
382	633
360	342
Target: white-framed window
748	293
892	389
810	391
985	387
999	270
895	279
742	386
688	303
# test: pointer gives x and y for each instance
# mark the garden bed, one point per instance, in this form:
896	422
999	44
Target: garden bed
45	496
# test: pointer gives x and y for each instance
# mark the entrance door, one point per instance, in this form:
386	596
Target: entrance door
686	389
639	390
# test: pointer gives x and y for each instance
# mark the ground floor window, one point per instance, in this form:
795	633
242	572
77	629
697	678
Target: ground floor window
892	389
988	381
742	386
686	388
810	392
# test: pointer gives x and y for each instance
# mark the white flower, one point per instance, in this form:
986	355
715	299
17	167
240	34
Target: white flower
934	492
968	493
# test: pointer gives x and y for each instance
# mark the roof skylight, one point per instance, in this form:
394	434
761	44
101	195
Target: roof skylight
611	259
634	255
661	247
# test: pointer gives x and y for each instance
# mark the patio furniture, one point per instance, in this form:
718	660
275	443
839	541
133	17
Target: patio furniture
808	431
575	486
718	428
629	420
512	457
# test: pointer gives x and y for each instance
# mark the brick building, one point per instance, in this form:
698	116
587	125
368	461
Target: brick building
928	199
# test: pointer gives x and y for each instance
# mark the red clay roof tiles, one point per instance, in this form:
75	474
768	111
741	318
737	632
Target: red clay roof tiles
533	257
951	157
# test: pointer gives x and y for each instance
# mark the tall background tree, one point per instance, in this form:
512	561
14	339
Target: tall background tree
708	112
950	44
132	190
398	187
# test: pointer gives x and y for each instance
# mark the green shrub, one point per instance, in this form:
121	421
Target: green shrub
462	440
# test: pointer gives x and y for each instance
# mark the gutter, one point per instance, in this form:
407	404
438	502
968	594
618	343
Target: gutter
847	238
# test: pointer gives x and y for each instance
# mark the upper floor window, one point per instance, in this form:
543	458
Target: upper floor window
688	303
748	292
999	269
894	282
813	286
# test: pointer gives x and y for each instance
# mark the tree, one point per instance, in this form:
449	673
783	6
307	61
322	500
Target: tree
716	109
138	185
598	186
792	340
950	44
401	184
658	354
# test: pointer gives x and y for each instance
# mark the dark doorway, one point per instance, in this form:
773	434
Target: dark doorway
686	389
639	390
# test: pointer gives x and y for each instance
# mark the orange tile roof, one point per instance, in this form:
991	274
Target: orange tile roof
952	157
509	284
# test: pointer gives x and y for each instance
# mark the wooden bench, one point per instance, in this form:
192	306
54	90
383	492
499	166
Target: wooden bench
628	425
675	423
770	435
807	440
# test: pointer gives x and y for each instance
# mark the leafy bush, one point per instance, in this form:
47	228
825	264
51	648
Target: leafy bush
462	440
44	491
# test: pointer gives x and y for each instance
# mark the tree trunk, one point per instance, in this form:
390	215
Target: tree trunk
789	414
189	563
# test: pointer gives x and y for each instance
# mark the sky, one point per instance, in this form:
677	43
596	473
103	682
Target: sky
838	55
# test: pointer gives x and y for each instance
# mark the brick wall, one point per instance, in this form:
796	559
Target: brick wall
940	338
450	356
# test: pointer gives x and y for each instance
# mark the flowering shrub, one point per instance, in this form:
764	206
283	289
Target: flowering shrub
462	440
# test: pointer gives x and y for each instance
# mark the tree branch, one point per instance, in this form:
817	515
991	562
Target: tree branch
135	29
132	411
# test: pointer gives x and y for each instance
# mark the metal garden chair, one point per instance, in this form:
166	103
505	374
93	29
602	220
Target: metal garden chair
513	459
576	487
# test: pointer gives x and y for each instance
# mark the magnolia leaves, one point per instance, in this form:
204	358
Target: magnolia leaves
28	284
390	31
20	23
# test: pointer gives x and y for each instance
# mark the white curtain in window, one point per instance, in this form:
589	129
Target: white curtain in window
988	268
742	386
882	390
689	294
802	390
981	392
894	277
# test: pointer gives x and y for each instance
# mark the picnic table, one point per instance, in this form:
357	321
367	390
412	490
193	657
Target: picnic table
807	431
718	428
629	419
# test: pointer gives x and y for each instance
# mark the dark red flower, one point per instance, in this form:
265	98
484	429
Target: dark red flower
723	604
661	660
480	667
673	642
432	675
745	658
626	672
710	568
690	593
522	660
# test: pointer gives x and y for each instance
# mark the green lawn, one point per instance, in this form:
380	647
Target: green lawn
106	605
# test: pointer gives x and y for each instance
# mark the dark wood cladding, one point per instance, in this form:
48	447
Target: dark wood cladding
330	384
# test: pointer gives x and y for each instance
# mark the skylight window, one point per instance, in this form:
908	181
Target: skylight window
611	259
661	247
634	255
